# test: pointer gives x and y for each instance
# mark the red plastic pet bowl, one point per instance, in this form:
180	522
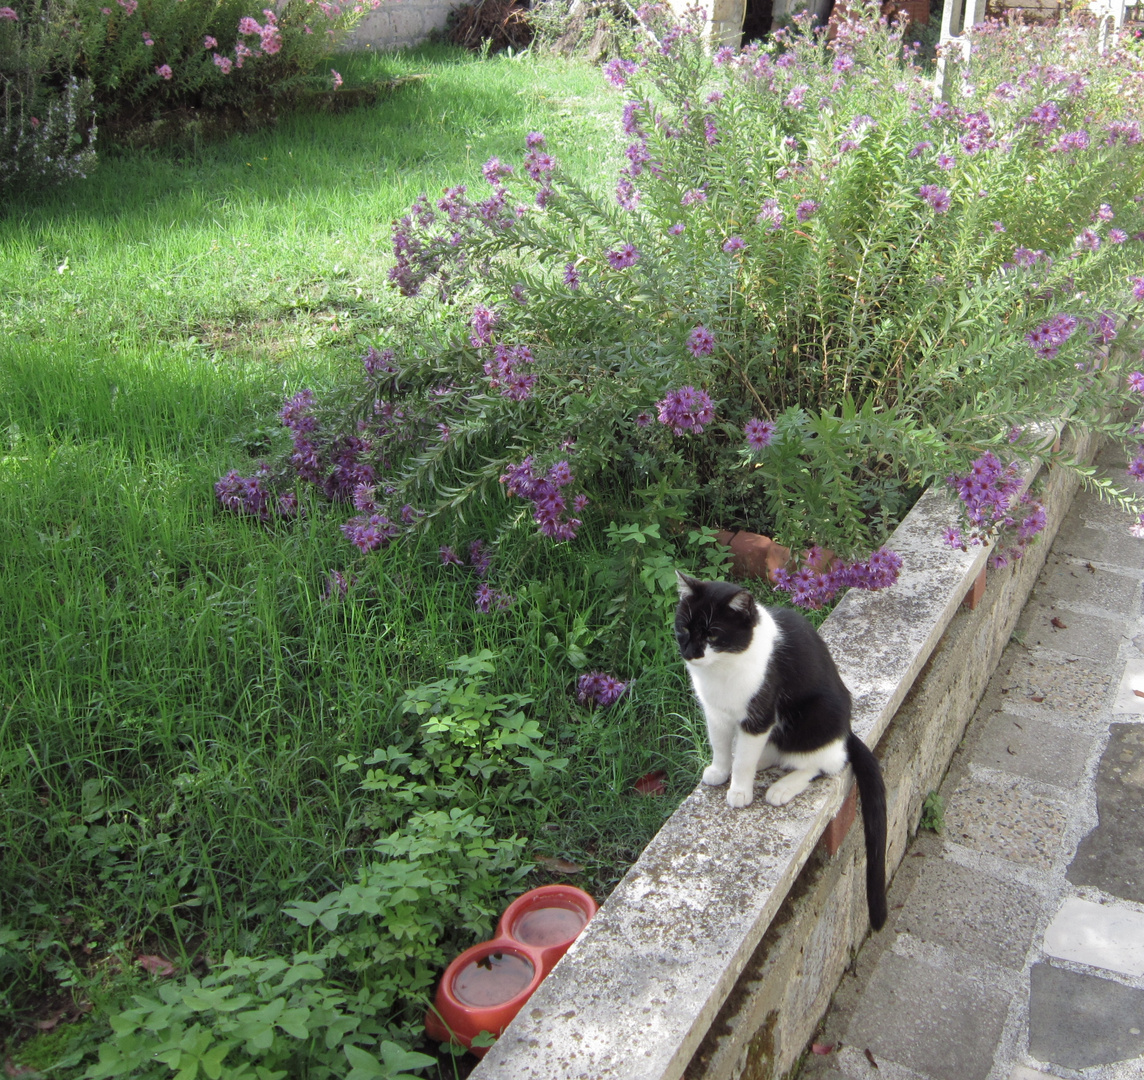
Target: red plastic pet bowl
548	919
486	986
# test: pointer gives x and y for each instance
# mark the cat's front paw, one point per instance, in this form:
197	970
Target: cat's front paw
715	776
738	797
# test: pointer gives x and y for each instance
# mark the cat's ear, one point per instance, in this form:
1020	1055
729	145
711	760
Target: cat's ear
742	601
688	586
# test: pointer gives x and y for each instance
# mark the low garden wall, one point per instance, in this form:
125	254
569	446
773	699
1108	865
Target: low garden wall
718	953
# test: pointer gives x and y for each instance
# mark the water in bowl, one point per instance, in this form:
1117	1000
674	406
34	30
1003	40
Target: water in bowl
544	926
493	979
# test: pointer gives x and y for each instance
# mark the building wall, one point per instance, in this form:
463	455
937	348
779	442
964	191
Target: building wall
398	23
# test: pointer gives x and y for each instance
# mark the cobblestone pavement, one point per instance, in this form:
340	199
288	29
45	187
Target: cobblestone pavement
1015	945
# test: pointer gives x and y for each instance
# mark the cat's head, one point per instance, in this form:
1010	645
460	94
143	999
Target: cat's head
713	618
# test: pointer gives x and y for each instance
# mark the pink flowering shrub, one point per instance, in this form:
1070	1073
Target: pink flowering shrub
146	55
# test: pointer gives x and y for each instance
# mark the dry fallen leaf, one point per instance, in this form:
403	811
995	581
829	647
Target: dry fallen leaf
1057	624
155	965
870	1058
652	783
50	1022
559	866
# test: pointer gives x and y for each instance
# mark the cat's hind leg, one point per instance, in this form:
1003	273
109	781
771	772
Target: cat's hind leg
792	784
830	759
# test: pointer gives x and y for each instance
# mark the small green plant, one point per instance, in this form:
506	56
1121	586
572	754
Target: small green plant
933	813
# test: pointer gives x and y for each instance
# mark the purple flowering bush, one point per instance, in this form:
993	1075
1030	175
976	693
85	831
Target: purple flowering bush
810	289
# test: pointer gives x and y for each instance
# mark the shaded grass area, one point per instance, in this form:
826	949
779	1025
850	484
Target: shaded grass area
174	691
278	242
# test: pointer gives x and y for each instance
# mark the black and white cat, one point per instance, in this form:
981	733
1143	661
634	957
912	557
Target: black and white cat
772	695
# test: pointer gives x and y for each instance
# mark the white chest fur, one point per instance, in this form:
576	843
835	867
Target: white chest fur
726	682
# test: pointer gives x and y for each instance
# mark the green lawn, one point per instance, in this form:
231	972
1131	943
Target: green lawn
175	694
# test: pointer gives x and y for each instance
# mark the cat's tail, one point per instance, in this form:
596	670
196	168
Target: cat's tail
872	791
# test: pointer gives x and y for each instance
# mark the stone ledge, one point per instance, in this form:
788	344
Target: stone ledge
668	979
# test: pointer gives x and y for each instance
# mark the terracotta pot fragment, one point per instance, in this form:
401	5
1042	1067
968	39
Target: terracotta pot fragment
754	555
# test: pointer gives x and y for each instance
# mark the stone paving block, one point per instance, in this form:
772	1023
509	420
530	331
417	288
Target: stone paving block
1078	1020
1130	692
1040	680
1112	545
968	912
1109	936
1070	632
1111	857
1066	582
1005	821
933	1020
1089	507
1026	746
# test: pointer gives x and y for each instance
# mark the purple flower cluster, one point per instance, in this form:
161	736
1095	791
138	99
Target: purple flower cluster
420	252
1045	116
820	578
686	409
627	194
482	321
248	495
621	259
505	375
995	509
1073	140
302	425
987	490
371	531
347	469
479	557
599	689
618	71
486	598
760	433
1048	338
937	197
978	134
544	491
1023	256
806	210
771	214
375	361
1088	240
